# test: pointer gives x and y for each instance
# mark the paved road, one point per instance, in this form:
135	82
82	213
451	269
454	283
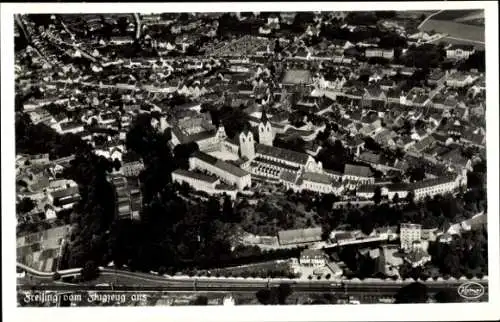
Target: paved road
428	17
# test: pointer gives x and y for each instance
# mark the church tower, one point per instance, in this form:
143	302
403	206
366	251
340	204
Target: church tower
221	136
265	130
221	133
247	144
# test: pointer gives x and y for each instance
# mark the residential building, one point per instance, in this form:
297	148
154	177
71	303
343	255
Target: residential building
313	257
64	199
132	165
461	79
409	234
380	53
459	51
68	127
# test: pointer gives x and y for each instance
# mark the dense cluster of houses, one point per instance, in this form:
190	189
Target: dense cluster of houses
38	180
430	121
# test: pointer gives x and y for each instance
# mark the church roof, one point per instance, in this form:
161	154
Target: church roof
282	154
264	118
246	129
224	166
316	177
357	170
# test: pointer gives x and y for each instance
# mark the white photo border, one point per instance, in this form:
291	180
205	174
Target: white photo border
367	312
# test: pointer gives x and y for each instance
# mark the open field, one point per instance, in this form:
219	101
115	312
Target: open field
451	15
455	29
455	41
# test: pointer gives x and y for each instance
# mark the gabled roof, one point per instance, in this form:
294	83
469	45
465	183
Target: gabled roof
65	192
225	166
357	170
374	91
316	177
370	157
195	175
433	182
282	154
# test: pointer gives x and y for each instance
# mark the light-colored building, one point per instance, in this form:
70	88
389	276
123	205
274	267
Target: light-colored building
380	53
459	51
409	234
226	171
247	144
202	182
461	79
436	186
317	182
132	168
312	257
68	127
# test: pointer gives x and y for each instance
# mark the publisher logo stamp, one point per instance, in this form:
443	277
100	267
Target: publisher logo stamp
471	290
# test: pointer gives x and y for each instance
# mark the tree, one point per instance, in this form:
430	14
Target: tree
412	293
284	291
227	209
182	152
25	205
389	14
301	19
417	173
122	23
367	224
447	296
451	264
184	17
410	197
56	276
213	208
377	196
264	296
89	271
277	47
395	199
201	300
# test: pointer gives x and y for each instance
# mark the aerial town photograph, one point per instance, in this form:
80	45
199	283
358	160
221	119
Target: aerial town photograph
250	158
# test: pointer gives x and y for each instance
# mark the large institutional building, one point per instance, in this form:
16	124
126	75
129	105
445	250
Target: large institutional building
248	158
256	159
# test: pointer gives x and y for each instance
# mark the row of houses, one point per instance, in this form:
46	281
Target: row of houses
421	189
